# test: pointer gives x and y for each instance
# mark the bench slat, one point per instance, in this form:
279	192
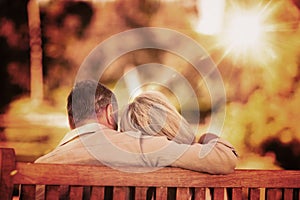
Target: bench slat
121	193
90	175
200	193
64	191
183	193
218	193
288	194
97	193
52	192
27	192
273	194
254	193
76	192
140	193
161	193
237	193
7	166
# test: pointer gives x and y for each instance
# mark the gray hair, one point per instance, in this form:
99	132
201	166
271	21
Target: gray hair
86	99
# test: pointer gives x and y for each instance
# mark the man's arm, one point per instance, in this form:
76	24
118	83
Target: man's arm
214	155
131	149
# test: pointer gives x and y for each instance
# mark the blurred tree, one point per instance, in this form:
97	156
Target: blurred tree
287	154
62	23
137	13
14	51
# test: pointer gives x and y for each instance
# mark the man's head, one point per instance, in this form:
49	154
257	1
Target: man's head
89	101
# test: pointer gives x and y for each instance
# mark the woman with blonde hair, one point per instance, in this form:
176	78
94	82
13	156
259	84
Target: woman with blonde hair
151	113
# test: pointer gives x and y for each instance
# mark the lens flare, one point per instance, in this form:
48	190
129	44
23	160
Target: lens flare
244	30
249	34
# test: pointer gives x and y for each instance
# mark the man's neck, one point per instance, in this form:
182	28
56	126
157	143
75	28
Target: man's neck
91	121
85	122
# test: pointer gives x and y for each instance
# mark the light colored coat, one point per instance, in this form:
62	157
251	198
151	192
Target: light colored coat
132	152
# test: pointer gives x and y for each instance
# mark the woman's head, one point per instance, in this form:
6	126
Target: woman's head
152	114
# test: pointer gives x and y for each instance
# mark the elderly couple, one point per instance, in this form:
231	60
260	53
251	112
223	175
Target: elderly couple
152	135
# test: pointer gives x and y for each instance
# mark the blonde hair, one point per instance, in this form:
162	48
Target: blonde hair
152	114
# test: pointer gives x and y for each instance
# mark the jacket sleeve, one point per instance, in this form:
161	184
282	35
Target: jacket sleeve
214	156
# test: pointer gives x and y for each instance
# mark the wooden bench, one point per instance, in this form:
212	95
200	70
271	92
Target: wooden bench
101	182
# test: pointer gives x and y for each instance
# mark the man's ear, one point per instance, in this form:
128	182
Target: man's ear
110	116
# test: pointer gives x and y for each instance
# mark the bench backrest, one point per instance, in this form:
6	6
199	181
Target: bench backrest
101	182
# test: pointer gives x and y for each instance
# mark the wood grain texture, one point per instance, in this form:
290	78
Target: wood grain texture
76	192
200	193
90	175
183	193
52	192
237	193
218	193
273	194
100	182
97	192
121	193
254	193
7	166
27	192
288	194
140	193
161	193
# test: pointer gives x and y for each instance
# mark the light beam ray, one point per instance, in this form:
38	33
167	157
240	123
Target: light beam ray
251	33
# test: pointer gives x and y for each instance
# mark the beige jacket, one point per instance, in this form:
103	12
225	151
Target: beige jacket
97	144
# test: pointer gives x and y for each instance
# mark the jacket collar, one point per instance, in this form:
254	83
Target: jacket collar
85	129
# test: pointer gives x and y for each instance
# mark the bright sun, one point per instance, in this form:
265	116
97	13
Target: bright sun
244	31
248	34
